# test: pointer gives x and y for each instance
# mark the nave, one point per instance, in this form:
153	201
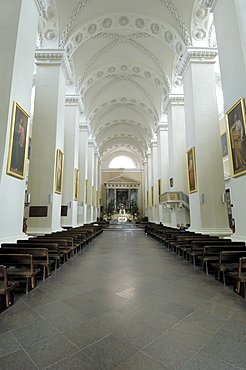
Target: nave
125	302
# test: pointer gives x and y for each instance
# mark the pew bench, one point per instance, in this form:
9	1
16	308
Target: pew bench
21	267
211	253
7	288
239	277
228	262
40	255
53	249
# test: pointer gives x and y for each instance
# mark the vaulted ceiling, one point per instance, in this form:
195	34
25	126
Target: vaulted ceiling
123	58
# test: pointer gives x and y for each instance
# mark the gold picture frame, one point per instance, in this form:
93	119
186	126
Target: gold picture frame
18	143
76	183
59	171
236	133
191	170
224	145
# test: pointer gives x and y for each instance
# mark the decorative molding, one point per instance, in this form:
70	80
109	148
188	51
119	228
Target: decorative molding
69	24
75	100
198	55
143	27
180	21
209	3
162	126
173	99
55	57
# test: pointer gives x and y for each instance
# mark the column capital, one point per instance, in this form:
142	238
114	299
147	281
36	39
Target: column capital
196	55
55	57
173	99
161	126
75	100
84	127
92	143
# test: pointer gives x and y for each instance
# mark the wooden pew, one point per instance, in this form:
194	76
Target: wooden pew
64	248
53	249
20	266
211	253
40	255
183	242
7	288
239	277
228	262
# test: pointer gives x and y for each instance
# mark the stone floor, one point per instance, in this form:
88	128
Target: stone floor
126	303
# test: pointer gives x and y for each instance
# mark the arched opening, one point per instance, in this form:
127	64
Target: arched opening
122	161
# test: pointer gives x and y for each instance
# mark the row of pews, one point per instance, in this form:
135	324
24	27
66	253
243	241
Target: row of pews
224	258
23	262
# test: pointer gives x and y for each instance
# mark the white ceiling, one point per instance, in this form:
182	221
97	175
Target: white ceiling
124	56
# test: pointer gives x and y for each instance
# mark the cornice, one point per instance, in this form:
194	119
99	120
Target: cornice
75	100
162	126
197	55
55	57
173	99
84	126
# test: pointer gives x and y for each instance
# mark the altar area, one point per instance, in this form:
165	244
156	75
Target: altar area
122	216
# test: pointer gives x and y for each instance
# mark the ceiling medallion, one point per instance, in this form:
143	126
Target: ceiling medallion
107	22
111	69
168	36
179	48
136	69
123	68
99	74
139	23
50	35
92	28
124	21
155	28
147	74
78	38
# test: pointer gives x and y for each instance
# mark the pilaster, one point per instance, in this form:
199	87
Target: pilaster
207	211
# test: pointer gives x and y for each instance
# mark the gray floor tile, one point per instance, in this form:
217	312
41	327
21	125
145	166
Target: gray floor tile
77	361
17	360
170	352
51	350
202	361
140	361
110	352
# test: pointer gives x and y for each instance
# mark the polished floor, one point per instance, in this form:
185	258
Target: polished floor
126	303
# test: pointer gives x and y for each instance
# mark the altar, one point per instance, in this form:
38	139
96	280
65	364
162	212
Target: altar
122	216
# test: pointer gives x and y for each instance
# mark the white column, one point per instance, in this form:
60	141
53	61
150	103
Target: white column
154	166
208	212
47	138
17	42
83	172
145	188
71	155
96	186
149	184
91	187
163	167
177	154
231	41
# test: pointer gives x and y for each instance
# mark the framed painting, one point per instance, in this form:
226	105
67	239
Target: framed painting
191	170
224	146
18	144
59	171
76	183
236	132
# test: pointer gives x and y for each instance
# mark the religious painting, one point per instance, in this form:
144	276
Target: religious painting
191	170
18	144
86	191
76	183
59	171
236	133
224	146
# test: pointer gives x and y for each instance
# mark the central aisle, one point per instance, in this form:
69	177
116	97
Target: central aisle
126	303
